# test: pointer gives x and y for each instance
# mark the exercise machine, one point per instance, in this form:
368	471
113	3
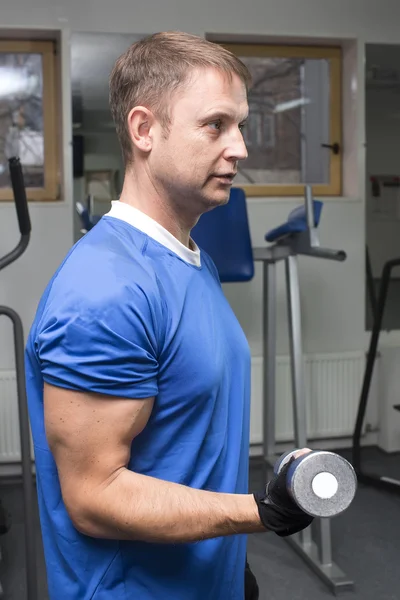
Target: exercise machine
224	234
85	212
380	481
297	237
24	224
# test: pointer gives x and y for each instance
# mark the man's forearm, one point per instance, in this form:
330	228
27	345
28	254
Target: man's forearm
138	507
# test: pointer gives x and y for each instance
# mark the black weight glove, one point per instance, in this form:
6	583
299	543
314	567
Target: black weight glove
278	512
251	589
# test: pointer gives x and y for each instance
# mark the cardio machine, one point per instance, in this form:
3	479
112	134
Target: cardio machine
380	481
24	224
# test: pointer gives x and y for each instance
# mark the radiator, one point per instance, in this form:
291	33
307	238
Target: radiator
333	384
10	450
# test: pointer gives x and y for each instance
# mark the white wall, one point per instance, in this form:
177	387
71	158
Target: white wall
332	293
361	18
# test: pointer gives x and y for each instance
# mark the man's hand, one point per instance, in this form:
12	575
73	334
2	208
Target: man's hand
278	511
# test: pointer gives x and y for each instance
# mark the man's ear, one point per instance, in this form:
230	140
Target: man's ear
140	124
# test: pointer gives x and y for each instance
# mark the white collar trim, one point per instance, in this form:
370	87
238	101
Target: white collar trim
136	218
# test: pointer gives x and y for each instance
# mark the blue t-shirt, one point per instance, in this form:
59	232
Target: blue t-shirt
131	316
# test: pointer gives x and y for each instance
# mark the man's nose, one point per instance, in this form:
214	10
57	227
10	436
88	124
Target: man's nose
236	148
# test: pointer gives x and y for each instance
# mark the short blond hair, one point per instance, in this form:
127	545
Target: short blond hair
151	70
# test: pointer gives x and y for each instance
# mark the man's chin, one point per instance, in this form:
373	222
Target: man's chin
217	199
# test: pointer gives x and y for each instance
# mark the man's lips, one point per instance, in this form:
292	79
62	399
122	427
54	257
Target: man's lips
225	176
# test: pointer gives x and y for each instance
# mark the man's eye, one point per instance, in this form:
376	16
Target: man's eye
242	126
216	125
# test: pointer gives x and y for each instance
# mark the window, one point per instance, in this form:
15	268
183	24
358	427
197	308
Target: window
28	117
293	134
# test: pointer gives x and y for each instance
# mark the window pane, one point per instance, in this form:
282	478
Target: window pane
21	116
288	121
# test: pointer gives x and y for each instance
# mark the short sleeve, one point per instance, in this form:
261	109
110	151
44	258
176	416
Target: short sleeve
104	342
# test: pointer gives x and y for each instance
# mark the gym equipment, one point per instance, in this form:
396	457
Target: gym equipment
370	284
322	483
224	233
298	236
85	212
379	481
24	224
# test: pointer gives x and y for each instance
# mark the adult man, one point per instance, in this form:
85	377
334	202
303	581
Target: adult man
137	370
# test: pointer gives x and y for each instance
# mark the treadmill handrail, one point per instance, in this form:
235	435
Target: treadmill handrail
371	357
370	284
21	202
21	205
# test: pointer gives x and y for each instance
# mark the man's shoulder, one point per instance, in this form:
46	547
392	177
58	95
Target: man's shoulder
111	245
103	270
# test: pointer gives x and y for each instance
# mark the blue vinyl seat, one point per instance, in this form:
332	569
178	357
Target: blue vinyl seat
224	234
296	222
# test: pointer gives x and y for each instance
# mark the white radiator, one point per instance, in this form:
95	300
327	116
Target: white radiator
10	450
333	384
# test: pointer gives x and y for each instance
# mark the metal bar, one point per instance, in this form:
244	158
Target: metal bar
325	541
370	285
330	574
317	555
311	233
271	253
371	356
303	127
296	364
317	252
26	460
305	537
300	244
296	352
21	202
269	354
309	207
21	206
16	252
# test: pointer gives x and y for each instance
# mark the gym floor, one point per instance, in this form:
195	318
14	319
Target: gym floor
366	545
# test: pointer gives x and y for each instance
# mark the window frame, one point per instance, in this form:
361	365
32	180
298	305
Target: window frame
50	190
334	55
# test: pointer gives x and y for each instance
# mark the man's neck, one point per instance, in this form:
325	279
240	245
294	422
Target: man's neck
145	198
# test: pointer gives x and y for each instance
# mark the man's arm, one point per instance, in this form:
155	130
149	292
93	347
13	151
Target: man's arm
90	437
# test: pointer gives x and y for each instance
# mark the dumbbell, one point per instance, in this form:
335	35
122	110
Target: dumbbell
322	483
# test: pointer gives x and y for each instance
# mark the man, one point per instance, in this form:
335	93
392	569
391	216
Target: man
137	370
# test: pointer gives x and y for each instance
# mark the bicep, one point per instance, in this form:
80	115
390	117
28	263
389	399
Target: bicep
90	436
